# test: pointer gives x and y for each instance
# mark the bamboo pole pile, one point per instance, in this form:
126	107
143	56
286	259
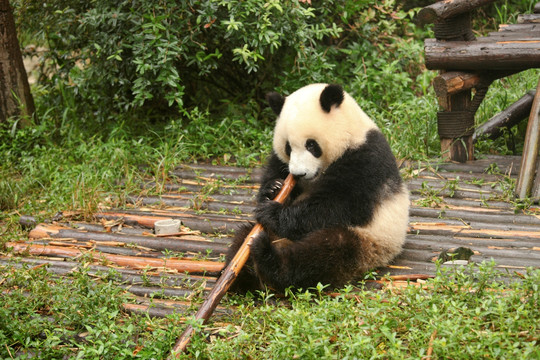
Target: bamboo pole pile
453	205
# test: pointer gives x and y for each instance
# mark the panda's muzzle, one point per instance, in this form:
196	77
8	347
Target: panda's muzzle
304	165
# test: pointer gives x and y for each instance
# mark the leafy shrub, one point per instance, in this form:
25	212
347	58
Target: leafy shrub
163	55
159	58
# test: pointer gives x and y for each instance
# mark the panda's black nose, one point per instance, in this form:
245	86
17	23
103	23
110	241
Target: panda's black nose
299	175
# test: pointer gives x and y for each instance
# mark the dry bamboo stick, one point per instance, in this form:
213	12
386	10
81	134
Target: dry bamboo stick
209	223
524	186
409	277
442	228
477	216
126	277
228	276
120	260
151	242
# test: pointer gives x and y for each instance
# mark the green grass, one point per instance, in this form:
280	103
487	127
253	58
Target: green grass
464	313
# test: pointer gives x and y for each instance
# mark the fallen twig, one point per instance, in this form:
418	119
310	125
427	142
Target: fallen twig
430	345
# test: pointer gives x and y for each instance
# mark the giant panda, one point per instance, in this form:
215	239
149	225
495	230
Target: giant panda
348	212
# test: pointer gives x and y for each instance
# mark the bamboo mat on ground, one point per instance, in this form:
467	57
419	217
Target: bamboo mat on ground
452	206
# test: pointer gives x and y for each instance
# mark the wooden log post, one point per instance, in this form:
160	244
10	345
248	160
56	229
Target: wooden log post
452	82
449	8
456	127
528	183
455	122
507	118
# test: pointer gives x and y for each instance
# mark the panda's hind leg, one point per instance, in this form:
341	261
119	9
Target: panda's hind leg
328	256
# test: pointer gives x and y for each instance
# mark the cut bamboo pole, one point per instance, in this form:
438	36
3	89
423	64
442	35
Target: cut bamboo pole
228	276
524	186
151	242
209	223
120	260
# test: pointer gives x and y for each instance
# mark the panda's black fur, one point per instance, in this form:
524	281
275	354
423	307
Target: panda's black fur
322	233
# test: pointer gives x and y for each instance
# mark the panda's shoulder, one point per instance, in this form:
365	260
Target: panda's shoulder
371	161
374	148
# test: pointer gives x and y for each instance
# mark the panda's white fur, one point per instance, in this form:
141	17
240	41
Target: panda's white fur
348	212
388	226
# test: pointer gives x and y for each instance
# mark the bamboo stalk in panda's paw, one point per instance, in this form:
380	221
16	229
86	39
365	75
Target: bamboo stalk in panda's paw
228	276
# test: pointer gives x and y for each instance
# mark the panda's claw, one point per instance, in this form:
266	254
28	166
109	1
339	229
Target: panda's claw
272	190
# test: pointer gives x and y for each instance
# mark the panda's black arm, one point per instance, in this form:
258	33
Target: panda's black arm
274	170
295	221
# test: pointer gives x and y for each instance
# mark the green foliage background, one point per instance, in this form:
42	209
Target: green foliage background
157	58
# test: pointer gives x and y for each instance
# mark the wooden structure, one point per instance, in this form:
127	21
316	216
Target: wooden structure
453	205
466	62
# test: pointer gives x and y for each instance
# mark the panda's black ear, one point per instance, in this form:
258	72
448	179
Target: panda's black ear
331	95
275	101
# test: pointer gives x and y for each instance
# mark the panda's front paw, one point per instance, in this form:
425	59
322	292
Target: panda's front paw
267	214
261	245
271	190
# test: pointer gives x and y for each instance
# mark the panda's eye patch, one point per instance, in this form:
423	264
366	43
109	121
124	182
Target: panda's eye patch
288	149
313	147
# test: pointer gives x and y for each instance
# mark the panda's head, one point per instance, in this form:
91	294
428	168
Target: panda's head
316	125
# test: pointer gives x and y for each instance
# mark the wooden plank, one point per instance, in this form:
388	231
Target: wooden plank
524	28
490	228
520	221
478	56
210	223
126	276
510	35
506	164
